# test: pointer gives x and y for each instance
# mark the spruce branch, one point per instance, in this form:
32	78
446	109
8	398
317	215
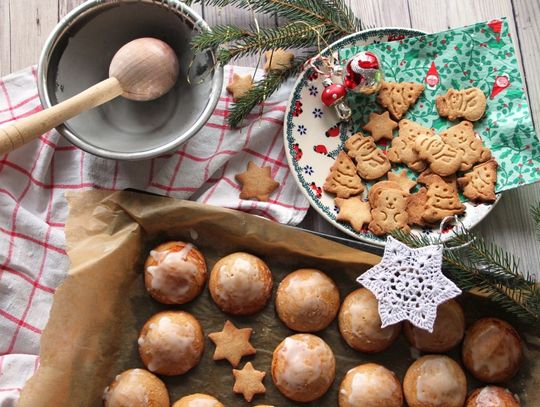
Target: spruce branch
220	34
475	264
261	91
535	212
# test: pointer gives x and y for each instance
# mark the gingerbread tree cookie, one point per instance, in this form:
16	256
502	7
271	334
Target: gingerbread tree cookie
354	211
398	97
232	343
389	209
403	146
257	182
443	159
371	163
479	184
442	197
343	179
248	382
380	126
467	103
462	138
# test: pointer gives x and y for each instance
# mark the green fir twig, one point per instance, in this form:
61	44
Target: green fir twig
535	212
478	265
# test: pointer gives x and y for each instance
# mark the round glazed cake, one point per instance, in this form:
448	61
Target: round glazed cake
136	388
491	396
303	367
435	381
175	273
492	350
447	332
370	385
360	323
307	300
240	284
171	343
198	400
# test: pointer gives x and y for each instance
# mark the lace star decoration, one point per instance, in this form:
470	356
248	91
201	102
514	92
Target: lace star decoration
409	284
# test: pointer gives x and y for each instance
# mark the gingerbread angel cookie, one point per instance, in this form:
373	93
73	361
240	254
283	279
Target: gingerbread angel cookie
443	159
461	137
479	184
402	149
398	97
442	197
371	163
343	179
467	103
389	209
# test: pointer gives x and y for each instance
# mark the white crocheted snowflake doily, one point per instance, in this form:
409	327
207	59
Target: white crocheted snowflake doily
409	284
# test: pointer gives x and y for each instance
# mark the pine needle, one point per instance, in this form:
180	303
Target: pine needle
535	212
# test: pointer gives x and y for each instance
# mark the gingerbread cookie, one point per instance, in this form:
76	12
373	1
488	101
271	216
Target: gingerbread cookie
257	182
442	197
403	146
389	209
343	179
416	205
398	97
355	211
467	103
443	159
232	343
479	184
371	163
402	180
278	60
374	190
248	382
240	85
462	138
380	126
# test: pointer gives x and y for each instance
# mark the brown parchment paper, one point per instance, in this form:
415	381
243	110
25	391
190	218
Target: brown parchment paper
97	312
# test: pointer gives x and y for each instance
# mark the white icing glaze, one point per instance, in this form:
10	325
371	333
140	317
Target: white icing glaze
308	291
492	353
200	402
302	364
174	274
371	388
168	342
128	390
365	320
436	382
240	281
488	398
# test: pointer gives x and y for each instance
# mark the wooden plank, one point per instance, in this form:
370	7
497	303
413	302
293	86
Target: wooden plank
379	13
31	22
5	38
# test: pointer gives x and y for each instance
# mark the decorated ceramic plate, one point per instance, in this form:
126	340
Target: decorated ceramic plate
314	137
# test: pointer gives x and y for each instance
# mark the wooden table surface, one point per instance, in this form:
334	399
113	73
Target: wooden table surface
25	24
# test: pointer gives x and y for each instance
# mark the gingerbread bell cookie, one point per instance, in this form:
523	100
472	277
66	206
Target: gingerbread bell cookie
343	179
371	163
257	182
461	137
469	104
479	184
399	97
380	126
403	146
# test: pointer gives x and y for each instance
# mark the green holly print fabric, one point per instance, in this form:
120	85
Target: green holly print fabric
481	55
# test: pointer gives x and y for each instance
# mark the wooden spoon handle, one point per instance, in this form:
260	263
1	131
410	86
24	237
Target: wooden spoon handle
20	132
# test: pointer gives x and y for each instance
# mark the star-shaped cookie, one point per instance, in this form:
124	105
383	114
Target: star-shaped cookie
402	179
239	85
380	126
355	211
278	60
248	382
232	343
257	182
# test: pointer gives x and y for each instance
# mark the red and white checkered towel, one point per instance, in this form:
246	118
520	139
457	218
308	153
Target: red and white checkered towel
33	210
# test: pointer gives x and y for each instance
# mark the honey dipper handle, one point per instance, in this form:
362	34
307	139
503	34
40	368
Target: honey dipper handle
15	134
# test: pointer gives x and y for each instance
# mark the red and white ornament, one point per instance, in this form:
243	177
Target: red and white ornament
363	73
333	95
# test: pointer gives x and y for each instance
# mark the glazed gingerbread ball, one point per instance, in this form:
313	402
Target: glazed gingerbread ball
136	388
171	343
492	350
303	367
491	396
175	273
240	284
435	381
360	323
370	385
198	400
307	300
447	332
